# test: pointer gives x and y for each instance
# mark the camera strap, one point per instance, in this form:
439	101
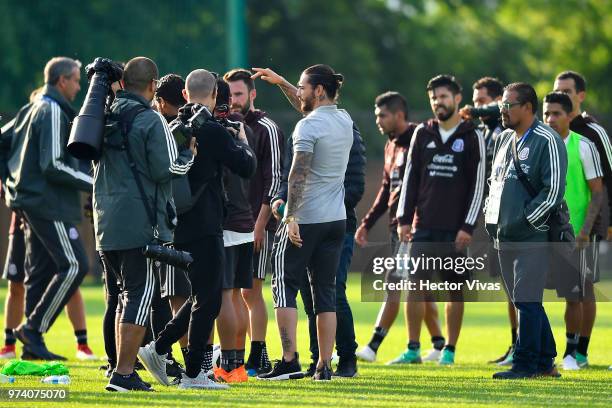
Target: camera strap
125	123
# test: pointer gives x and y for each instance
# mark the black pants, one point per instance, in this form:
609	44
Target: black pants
524	273
198	314
345	329
55	267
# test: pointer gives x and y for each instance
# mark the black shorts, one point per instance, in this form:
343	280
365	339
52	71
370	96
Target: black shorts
319	256
14	270
135	275
238	272
174	282
569	275
262	260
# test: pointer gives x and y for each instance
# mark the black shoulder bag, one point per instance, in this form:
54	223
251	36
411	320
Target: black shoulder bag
559	227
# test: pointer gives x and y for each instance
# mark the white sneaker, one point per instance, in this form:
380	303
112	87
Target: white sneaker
432	355
154	363
201	382
216	358
366	354
569	363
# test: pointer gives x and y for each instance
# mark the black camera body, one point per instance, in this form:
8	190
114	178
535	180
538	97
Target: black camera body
491	111
87	132
168	255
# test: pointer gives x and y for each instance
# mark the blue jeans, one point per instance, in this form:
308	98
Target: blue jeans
524	273
345	329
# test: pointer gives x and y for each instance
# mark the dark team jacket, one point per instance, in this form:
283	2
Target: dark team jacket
443	185
268	145
396	156
587	126
354	178
216	148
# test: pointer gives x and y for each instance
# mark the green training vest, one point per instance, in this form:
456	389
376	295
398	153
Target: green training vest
577	191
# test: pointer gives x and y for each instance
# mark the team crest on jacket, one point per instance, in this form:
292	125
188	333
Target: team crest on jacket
457	145
73	233
524	153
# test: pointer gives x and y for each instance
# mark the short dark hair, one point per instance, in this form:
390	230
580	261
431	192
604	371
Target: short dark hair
561	98
494	86
240	74
138	73
170	87
223	92
579	81
325	76
394	101
525	93
447	81
58	67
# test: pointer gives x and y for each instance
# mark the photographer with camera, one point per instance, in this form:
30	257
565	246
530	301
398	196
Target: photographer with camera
43	184
133	203
200	232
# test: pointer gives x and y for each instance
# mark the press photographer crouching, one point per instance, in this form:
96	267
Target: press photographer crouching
133	206
199	230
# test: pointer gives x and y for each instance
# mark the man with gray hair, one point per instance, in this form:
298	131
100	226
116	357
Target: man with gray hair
43	185
200	232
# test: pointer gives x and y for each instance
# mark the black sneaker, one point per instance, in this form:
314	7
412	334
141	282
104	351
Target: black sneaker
347	367
512	375
39	352
143	381
256	366
311	369
108	370
132	382
284	370
138	365
323	374
174	368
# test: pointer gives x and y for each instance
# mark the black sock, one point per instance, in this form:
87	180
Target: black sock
514	332
583	345
438	342
184	351
450	347
207	363
239	358
377	338
9	337
228	360
255	352
571	344
194	363
414	345
81	336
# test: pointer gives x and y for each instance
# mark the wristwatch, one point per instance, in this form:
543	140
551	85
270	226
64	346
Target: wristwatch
289	219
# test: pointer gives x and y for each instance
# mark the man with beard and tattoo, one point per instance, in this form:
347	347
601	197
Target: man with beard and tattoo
268	144
446	166
313	229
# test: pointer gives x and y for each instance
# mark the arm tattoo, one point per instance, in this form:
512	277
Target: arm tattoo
285	340
592	212
290	92
297	181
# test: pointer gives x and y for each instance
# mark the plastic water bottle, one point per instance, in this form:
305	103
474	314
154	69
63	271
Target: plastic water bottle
6	379
56	379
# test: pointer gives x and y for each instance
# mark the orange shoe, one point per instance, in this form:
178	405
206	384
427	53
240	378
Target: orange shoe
239	375
221	375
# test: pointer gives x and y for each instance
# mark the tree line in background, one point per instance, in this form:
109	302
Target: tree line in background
378	45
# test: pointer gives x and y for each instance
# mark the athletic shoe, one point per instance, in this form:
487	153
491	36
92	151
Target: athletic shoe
366	354
8	352
512	375
347	368
312	368
34	347
154	363
237	375
108	370
138	365
582	360
323	374
447	357
263	366
84	353
504	357
133	382
200	382
551	372
509	358
408	357
174	368
432	355
569	363
284	370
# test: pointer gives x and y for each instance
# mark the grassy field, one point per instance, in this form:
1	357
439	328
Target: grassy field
468	383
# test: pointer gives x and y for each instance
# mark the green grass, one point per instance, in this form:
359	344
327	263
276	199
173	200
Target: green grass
485	335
